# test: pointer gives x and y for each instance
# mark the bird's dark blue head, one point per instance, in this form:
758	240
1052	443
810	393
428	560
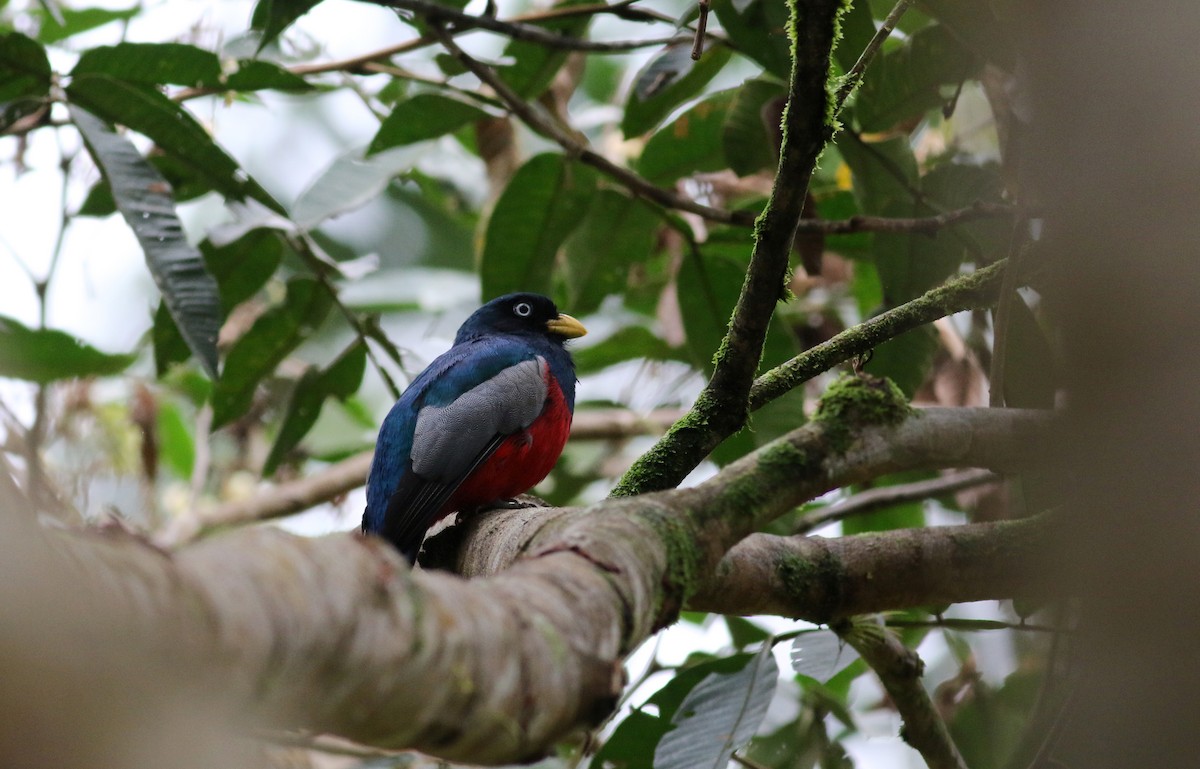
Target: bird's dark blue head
530	315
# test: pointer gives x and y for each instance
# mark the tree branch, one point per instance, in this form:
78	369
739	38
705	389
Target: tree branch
899	669
335	634
722	407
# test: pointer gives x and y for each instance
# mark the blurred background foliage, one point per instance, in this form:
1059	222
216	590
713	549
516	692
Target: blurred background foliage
321	193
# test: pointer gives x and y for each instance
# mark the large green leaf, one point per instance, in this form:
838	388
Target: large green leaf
906	81
758	30
719	716
186	65
709	690
24	78
544	201
349	182
692	143
46	355
240	268
617	232
340	380
144	200
751	133
668	80
184	186
424	116
1031	371
274	334
147	111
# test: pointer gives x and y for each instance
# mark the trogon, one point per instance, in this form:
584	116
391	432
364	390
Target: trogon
485	421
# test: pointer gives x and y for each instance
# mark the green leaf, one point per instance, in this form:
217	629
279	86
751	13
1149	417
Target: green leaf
184	186
630	343
256	354
751	133
905	360
24	78
176	445
666	82
758	30
349	182
340	380
272	17
144	199
535	65
47	355
617	232
147	111
24	68
743	632
692	143
905	82
821	655
633	743
424	116
186	65
240	268
72	21
719	716
543	202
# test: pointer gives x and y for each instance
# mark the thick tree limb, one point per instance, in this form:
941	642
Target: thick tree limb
335	634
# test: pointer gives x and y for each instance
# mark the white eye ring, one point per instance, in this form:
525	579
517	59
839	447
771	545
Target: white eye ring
523	309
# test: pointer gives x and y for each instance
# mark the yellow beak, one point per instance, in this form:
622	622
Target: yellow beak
565	325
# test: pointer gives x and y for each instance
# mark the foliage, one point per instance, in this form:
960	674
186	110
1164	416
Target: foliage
444	198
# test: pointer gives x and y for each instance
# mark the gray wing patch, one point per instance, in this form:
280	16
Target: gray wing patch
448	438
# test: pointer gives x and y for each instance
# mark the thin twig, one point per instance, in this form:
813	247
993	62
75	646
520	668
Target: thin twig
701	28
439	14
854	77
544	126
885	496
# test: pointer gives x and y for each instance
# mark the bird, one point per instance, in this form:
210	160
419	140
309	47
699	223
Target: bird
484	422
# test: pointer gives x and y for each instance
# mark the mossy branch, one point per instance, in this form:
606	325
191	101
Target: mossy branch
721	409
899	669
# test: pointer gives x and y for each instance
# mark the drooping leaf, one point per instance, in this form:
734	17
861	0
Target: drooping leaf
634	742
149	112
821	654
544	201
1031	373
424	116
906	360
272	17
349	182
72	21
719	716
274	334
240	268
47	355
751	132
184	186
757	28
340	380
144	200
692	143
176	445
618	231
666	82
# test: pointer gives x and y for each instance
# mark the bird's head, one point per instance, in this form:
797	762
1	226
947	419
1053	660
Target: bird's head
524	314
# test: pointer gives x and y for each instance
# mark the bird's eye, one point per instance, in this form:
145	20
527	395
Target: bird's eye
523	309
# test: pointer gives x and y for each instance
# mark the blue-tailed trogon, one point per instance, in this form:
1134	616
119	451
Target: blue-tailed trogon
485	421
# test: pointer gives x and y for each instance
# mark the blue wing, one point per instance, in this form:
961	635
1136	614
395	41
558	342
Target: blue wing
449	420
